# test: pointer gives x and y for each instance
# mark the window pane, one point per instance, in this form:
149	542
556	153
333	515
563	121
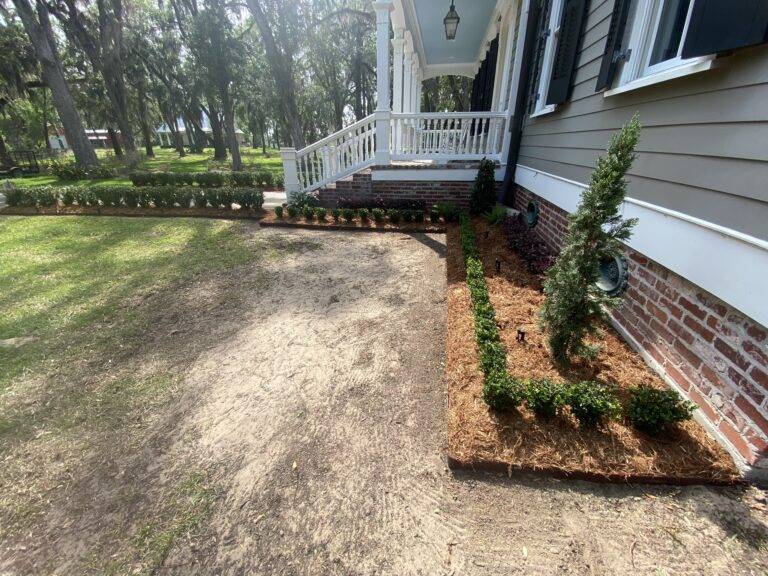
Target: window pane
669	31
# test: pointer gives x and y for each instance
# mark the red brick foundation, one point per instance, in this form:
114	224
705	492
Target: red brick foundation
362	190
713	352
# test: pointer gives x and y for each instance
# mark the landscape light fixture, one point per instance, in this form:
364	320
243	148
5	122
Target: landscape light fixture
451	22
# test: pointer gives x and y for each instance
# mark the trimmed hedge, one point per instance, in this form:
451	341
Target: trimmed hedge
71	171
262	179
116	196
500	390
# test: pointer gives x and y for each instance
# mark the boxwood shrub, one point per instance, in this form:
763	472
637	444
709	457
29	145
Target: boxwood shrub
651	410
545	397
592	403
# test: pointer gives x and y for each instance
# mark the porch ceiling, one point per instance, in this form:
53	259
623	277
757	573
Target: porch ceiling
424	19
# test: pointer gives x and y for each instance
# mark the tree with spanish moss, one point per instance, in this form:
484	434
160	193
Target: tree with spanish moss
575	307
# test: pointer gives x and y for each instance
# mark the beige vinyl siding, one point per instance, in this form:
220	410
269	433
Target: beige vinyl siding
704	146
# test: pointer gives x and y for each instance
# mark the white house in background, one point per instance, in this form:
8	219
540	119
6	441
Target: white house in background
165	136
553	80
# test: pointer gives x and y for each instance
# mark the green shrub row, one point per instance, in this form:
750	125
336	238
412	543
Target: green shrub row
71	171
649	409
263	179
378	215
156	196
500	390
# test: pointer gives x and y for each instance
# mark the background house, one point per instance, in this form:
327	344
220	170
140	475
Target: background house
165	136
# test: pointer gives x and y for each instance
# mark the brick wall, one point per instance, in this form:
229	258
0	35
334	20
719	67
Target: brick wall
360	188
713	352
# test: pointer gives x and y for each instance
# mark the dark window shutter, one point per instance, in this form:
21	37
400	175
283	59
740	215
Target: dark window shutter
717	26
542	25
565	52
613	44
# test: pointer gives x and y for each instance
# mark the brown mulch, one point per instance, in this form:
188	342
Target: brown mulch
519	440
219	213
328	224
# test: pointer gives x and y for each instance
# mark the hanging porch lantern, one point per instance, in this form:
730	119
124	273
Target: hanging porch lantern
451	22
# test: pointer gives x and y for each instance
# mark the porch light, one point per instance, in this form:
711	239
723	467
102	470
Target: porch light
451	22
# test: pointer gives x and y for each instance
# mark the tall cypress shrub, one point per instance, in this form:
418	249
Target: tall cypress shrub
483	196
575	306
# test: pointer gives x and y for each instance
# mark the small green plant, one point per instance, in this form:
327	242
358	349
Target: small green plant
279	211
393	215
483	195
497	215
575	307
378	215
592	403
545	397
309	213
434	215
651	410
407	215
502	392
293	212
68	171
448	212
336	214
418	215
364	214
67	196
132	197
321	214
349	215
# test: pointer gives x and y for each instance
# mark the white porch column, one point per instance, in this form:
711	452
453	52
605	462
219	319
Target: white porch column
398	43
290	173
382	114
414	80
418	91
407	78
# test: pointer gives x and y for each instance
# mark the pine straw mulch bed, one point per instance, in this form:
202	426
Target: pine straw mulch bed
356	225
519	441
219	213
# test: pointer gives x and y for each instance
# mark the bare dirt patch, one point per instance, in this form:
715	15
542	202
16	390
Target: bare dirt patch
305	434
523	441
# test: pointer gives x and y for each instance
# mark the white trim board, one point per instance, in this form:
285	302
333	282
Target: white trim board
729	264
436	174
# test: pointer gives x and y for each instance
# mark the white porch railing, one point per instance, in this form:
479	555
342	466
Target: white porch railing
337	155
447	135
412	136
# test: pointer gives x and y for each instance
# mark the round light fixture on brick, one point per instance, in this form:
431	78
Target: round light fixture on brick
531	214
614	275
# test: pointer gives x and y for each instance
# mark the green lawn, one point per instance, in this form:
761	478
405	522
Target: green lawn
66	283
168	160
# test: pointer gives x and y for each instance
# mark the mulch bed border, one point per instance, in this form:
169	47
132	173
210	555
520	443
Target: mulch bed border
508	468
135	212
342	227
552	472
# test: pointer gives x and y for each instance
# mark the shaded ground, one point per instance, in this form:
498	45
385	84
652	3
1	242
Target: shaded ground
303	432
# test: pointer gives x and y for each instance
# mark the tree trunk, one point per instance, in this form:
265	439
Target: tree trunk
41	36
281	67
5	159
115	141
458	97
219	147
141	105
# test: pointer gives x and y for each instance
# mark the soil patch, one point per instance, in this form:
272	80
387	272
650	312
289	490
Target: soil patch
520	440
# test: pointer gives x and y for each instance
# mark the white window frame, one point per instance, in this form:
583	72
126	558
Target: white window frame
548	60
637	72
